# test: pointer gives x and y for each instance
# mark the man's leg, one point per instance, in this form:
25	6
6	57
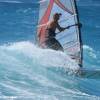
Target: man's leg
54	44
58	45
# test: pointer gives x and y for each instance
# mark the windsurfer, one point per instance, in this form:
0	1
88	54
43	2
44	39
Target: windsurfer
50	40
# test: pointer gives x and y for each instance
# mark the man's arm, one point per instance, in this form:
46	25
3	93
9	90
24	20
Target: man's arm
61	28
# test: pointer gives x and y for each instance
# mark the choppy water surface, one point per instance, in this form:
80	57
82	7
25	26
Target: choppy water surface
30	73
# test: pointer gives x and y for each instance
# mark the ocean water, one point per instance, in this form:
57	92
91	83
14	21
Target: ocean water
30	73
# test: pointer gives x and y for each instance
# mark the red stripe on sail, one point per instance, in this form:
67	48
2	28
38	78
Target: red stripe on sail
44	20
62	6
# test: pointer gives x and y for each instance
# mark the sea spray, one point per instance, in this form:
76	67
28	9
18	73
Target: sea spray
45	57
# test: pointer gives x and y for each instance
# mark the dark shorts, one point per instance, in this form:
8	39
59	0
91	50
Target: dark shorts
53	44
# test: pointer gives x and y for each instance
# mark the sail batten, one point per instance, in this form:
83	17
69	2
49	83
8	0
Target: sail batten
69	39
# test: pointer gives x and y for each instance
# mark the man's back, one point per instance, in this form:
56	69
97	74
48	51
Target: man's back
52	25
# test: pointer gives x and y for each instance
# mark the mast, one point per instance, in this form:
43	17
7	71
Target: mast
80	36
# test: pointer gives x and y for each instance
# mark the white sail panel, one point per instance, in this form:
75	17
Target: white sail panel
70	38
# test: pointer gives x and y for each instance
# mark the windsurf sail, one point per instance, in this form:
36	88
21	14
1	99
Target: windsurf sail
70	39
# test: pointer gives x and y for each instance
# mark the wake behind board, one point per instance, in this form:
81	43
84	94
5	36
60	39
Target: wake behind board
89	73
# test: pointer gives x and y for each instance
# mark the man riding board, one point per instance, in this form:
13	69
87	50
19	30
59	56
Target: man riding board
50	34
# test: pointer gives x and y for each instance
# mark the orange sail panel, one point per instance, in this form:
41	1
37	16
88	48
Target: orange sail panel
44	20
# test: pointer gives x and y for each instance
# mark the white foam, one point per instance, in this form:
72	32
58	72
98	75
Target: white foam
45	57
12	1
90	51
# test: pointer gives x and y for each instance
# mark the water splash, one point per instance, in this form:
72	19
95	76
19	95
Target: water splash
24	70
45	57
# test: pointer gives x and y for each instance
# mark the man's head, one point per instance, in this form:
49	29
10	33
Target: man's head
56	16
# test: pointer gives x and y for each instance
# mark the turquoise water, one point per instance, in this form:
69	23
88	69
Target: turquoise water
30	73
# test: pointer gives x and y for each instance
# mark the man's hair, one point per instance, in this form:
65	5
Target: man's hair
56	15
